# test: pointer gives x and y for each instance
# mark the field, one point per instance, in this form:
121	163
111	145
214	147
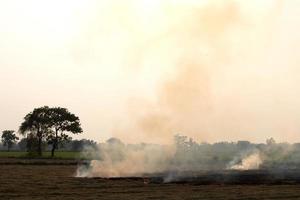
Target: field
57	181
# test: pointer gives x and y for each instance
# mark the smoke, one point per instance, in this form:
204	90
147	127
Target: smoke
205	69
185	157
191	48
118	160
213	70
208	69
222	70
253	161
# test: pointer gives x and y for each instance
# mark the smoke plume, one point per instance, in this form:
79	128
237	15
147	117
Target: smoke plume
212	70
203	68
118	160
186	157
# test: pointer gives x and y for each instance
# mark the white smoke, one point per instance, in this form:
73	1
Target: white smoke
252	161
119	160
115	159
185	157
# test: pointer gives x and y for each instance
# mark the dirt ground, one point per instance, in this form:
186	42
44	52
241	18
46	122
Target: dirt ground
58	182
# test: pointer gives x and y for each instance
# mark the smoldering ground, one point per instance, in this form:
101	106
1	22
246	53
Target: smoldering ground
187	158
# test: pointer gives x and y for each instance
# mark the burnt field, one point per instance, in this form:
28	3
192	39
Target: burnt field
57	181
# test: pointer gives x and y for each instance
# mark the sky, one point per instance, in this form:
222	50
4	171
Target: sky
145	70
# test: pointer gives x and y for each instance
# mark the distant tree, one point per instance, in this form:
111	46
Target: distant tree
243	145
9	138
114	141
30	144
23	144
181	143
270	141
61	122
65	145
36	123
79	145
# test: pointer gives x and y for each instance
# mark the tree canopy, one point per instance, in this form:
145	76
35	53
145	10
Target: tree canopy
61	122
50	124
9	138
36	125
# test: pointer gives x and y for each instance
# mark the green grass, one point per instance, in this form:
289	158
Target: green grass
47	154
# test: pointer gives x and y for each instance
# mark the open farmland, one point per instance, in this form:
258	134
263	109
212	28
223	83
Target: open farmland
54	181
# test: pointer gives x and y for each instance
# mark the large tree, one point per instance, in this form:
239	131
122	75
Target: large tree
51	124
61	122
9	138
36	125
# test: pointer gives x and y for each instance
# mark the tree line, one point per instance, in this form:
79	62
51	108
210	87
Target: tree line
44	125
26	144
189	155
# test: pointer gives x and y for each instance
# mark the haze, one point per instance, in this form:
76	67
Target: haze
145	70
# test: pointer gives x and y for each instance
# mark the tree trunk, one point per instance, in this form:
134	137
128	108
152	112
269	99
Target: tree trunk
40	146
54	146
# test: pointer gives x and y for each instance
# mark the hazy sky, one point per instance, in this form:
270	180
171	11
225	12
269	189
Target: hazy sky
146	70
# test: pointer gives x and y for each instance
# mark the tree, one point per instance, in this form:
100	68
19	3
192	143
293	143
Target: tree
23	144
51	124
79	145
30	144
36	124
61	122
9	138
270	141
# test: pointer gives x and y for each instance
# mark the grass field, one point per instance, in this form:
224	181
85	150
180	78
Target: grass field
58	154
58	182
